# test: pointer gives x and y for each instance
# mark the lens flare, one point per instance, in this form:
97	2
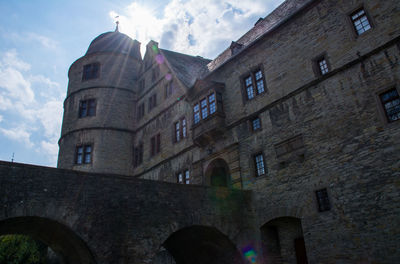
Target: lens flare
159	59
250	254
168	76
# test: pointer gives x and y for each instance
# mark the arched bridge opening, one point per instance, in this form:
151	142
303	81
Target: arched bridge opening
202	245
61	239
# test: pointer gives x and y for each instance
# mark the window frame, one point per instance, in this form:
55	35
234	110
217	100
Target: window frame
180	132
217	102
351	23
323	202
84	153
252	124
140	111
255	91
381	106
316	66
88	107
184	173
138	155
155	145
91	76
256	170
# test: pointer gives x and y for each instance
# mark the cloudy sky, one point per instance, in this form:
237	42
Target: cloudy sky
40	39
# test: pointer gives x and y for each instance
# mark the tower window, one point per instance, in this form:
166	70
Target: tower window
155	143
87	108
83	154
183	177
391	104
360	21
254	84
323	200
91	71
259	164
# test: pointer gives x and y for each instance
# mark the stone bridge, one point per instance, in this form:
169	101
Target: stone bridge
102	218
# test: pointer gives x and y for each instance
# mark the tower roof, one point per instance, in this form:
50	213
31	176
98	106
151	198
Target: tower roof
115	42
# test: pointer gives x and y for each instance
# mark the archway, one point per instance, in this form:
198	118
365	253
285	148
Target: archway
202	245
283	242
70	247
217	173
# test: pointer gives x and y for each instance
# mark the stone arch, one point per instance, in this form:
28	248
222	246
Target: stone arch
60	238
202	245
217	173
282	241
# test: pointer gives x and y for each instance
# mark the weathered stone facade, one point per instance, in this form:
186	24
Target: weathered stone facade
317	131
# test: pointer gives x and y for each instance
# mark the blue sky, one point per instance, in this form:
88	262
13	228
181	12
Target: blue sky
40	39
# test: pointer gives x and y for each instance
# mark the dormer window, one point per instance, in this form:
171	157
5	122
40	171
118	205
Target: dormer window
91	71
207	106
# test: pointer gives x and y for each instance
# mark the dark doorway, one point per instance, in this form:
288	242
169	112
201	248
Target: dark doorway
202	245
217	173
300	249
283	242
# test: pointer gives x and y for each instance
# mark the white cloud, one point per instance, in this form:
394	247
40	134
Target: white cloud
195	27
1	118
30	105
43	40
19	134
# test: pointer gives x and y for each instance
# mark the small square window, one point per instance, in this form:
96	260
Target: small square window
391	104
83	154
183	177
91	71
259	164
256	123
360	21
87	108
323	200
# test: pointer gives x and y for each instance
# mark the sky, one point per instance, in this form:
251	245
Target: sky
40	39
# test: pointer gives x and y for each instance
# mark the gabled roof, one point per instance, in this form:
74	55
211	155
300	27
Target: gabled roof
262	27
185	67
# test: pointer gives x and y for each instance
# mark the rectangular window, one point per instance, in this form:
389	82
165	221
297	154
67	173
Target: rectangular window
91	71
254	84
138	155
256	123
323	200
323	66
183	177
152	101
87	108
180	129
259	164
204	109
211	102
196	113
169	89
391	104
177	132
83	154
360	21
207	106
155	143
140	111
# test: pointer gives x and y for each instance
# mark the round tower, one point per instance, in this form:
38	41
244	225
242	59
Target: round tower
98	124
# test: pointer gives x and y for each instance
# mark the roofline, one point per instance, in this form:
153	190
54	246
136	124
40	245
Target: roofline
270	31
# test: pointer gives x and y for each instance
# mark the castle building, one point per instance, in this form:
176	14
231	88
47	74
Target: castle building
301	110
